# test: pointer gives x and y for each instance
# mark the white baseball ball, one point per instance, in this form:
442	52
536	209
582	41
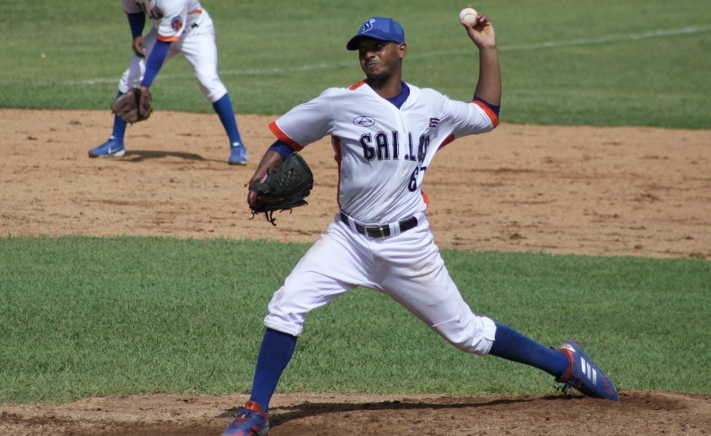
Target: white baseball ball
468	16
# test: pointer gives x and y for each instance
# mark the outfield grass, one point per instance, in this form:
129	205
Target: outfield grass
637	62
91	316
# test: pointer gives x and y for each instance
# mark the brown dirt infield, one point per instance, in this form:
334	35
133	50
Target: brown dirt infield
583	190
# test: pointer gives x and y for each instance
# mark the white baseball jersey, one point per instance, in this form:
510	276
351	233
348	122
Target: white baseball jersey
382	151
170	17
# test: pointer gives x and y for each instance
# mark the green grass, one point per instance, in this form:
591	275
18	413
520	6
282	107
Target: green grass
607	66
89	316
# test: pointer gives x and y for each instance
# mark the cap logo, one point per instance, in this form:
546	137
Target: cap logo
367	25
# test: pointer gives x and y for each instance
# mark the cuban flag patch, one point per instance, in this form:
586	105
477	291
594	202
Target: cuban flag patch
176	23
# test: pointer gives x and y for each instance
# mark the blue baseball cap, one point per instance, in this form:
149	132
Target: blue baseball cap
384	29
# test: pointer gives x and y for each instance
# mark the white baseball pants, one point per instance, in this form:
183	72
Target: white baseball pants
406	266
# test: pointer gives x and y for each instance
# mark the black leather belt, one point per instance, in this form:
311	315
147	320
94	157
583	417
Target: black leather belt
380	231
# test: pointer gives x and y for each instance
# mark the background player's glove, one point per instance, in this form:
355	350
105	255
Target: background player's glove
284	187
135	105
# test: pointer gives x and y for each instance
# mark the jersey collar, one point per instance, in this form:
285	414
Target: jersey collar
399	99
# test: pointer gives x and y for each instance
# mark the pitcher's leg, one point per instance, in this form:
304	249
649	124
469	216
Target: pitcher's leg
329	268
274	354
512	345
332	266
416	277
420	282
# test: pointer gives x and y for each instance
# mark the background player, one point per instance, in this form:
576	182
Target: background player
179	26
385	133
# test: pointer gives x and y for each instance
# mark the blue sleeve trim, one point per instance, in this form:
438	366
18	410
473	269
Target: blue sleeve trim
493	107
136	21
154	62
282	148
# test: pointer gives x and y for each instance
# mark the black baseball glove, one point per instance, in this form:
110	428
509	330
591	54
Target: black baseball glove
284	187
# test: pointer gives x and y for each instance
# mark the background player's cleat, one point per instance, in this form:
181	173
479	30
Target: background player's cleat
250	420
111	147
583	375
238	154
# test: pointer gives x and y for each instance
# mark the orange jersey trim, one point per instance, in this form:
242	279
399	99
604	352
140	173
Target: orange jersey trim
168	39
446	141
490	113
283	137
356	85
425	198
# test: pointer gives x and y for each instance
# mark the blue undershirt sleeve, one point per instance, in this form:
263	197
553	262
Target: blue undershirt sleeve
155	61
282	148
136	22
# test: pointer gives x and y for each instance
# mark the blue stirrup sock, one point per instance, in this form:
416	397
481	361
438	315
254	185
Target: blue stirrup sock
512	345
277	349
119	129
274	354
224	110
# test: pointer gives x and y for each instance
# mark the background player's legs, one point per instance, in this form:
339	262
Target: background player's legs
119	129
200	49
114	146
225	111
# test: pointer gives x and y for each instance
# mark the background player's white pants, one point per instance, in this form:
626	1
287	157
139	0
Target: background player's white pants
199	48
407	267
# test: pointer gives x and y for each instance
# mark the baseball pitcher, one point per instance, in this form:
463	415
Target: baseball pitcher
385	133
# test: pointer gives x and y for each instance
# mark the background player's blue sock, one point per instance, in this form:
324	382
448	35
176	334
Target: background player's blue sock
224	110
119	125
512	345
274	354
